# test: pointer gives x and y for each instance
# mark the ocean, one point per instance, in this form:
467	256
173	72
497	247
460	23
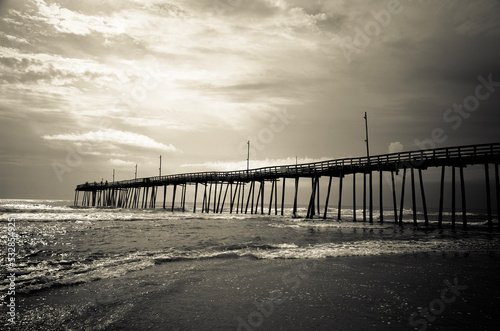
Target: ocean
80	268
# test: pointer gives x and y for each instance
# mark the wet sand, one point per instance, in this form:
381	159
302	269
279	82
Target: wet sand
343	293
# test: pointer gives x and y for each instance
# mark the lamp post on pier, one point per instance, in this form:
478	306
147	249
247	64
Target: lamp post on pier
248	156
160	166
370	174
366	140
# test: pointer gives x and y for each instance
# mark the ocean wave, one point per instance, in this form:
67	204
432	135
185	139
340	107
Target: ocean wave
45	274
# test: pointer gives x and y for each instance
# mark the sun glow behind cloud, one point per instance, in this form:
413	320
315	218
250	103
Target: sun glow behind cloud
171	67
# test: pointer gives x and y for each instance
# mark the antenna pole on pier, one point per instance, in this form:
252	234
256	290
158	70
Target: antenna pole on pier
113	175
366	140
160	166
248	156
136	171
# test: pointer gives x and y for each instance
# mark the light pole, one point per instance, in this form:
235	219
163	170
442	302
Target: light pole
368	156
366	140
160	165
248	156
113	176
136	171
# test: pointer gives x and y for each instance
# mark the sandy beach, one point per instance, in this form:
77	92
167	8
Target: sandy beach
345	293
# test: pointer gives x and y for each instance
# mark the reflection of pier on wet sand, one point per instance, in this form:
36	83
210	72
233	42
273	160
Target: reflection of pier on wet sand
227	189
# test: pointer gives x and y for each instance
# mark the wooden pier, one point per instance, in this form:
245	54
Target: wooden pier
227	189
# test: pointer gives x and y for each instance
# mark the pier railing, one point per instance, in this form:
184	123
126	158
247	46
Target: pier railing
415	159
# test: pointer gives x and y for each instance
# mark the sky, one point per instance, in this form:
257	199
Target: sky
91	86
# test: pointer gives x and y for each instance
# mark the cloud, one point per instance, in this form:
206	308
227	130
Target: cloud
114	137
396	147
121	163
67	21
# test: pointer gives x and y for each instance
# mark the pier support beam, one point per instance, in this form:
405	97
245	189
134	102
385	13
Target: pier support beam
258	198
207	210
184	189
156	194
243	196
311	208
275	198
401	209
144	197
317	197
262	198
453	200
340	197
164	195
152	202
224	199
364	197
233	197
204	203
250	192
464	201
195	196
239	187
271	197
283	196
422	193
371	195
295	197
133	203
253	196
413	199
441	198
353	197
173	197
394	201
135	199
215	197
488	196
220	196
327	197
138	197
497	184
381	197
